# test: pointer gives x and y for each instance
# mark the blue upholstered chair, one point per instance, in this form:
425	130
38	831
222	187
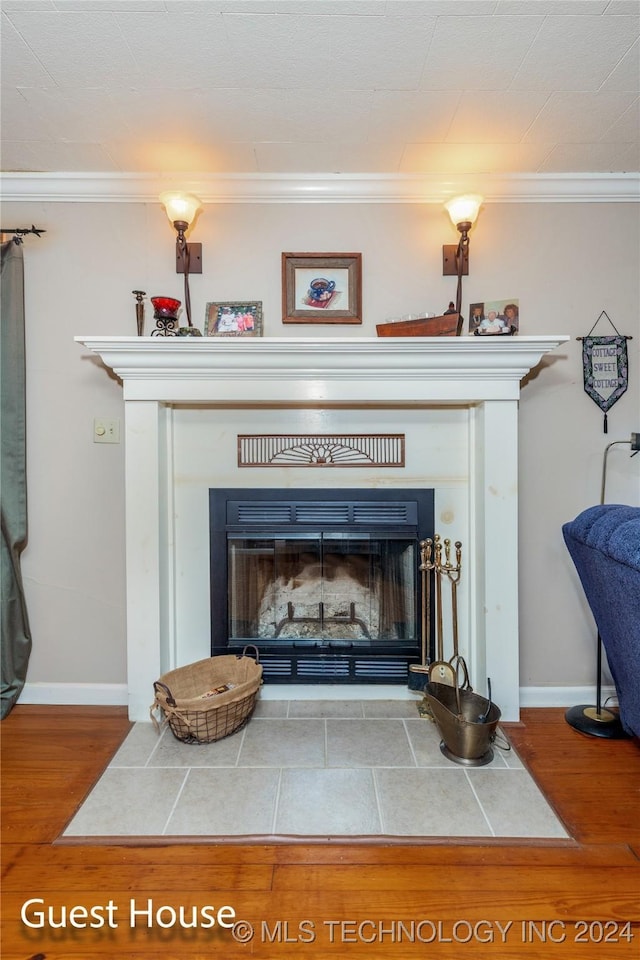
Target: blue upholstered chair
604	544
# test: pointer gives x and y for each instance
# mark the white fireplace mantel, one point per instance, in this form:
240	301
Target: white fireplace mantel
209	369
480	374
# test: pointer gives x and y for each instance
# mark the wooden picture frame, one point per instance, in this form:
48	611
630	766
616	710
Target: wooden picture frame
229	318
322	288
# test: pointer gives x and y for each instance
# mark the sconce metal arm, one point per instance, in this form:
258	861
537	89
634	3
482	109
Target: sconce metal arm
183	248
462	253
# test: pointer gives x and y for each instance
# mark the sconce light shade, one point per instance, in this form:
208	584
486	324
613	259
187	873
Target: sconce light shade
180	207
464	209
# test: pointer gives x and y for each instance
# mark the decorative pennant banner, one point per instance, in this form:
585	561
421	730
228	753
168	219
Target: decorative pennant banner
605	368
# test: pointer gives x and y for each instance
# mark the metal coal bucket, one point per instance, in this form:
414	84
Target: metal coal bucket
467	723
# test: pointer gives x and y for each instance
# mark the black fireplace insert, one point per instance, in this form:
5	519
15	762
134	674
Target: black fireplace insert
325	583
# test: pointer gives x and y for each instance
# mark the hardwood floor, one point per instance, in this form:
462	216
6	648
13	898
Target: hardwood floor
578	899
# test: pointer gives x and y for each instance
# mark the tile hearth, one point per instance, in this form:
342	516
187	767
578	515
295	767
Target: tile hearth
312	769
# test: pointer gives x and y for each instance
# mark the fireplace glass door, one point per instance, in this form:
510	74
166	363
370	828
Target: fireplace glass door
326	589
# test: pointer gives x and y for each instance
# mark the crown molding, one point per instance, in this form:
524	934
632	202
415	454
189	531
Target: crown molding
320	188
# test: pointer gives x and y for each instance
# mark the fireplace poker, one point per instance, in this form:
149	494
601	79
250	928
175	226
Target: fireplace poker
453	572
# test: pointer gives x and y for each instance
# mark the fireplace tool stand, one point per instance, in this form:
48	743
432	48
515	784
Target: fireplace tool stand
466	721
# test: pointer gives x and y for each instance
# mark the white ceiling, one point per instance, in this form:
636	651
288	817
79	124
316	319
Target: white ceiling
321	86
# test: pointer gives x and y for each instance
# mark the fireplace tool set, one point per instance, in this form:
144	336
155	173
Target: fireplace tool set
466	721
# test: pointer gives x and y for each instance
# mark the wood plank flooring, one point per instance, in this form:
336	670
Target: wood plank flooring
578	899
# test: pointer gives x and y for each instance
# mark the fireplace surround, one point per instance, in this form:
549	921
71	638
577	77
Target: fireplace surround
186	402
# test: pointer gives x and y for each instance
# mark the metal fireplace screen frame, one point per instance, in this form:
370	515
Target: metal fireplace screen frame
254	533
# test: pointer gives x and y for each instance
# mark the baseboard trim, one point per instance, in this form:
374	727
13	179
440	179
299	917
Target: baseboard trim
115	694
77	694
552	696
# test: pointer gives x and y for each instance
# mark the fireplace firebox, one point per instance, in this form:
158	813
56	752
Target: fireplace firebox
323	582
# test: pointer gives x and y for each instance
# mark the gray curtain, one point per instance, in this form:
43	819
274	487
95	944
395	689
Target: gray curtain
16	636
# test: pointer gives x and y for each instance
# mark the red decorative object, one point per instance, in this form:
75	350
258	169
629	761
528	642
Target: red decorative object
165	306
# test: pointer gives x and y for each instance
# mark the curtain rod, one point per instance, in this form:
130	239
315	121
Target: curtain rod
21	232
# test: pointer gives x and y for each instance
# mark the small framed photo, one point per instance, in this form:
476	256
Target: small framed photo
494	318
230	319
322	288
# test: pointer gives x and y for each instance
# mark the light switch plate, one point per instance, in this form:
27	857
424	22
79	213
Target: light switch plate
106	431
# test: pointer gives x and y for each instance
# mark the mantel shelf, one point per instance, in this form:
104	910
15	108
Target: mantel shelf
340	369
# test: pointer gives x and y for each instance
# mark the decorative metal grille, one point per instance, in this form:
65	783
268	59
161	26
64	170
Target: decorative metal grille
335	450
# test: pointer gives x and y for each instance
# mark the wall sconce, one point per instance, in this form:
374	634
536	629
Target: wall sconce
181	210
455	259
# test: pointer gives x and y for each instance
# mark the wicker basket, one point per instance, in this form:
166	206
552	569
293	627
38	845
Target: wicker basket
210	699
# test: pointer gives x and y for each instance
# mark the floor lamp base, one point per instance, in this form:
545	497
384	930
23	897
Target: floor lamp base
596	723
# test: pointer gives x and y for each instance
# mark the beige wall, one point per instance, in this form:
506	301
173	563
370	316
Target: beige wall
565	263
